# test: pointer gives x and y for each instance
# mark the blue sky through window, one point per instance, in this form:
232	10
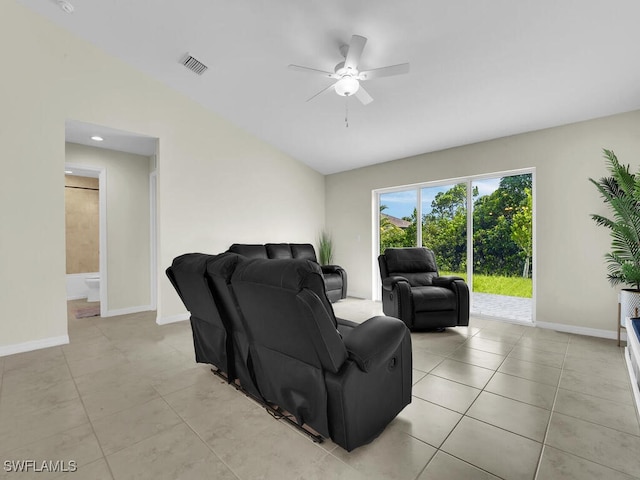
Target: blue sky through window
401	204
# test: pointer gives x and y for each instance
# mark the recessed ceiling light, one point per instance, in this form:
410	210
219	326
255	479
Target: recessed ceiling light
97	138
65	6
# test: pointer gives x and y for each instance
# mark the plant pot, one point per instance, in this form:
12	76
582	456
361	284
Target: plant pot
629	304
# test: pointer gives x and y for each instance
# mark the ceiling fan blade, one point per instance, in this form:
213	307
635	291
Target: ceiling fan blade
352	59
384	71
363	96
322	91
299	68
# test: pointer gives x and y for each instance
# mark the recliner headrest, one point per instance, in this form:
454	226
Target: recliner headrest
416	259
249	250
291	274
278	250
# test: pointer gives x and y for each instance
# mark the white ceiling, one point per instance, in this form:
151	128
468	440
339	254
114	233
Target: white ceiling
479	69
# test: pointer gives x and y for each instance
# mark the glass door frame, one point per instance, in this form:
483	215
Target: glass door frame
376	284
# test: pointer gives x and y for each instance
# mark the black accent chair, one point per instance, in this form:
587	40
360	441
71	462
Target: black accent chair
347	387
413	291
335	277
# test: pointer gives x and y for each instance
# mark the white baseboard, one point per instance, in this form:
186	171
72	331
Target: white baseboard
181	317
33	345
591	332
128	310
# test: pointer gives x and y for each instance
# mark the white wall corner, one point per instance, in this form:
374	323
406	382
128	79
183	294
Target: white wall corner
33	345
181	317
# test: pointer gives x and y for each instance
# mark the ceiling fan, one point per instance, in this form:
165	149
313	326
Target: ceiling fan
347	74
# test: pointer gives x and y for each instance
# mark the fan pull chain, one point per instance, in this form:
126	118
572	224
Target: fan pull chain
346	112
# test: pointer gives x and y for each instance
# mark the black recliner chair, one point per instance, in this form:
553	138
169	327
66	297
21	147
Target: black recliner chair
219	337
347	387
335	277
413	291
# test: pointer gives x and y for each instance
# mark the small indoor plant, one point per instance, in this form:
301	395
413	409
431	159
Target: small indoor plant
621	192
325	246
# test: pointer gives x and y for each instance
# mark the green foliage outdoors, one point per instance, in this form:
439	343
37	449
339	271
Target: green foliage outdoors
502	224
621	193
499	284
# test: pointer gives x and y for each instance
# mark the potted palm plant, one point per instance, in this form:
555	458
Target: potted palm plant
621	192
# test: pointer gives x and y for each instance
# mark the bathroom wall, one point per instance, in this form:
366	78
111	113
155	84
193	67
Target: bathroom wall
82	224
82	232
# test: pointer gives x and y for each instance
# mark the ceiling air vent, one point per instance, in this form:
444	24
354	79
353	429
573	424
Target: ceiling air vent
194	65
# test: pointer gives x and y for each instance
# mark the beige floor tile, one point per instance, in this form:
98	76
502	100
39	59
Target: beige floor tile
417	375
103	402
545	333
176	379
124	428
34	361
176	453
207	397
34	383
517	417
523	390
556	464
478	358
499	335
610	414
394	454
77	444
426	421
329	467
610	389
464	373
15	402
424	360
488	345
549	359
445	467
531	371
608	447
98	365
611	369
98	470
543	344
494	450
438	343
443	392
20	430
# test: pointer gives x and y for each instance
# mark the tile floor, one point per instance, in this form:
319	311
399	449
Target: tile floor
494	400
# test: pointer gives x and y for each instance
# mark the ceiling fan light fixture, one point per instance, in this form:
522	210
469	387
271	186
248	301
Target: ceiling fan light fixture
347	86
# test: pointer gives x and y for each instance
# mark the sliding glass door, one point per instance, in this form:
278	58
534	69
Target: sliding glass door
480	229
503	247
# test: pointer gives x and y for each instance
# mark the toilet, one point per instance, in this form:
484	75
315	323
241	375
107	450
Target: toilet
93	282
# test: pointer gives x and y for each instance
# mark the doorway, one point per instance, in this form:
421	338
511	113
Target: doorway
126	164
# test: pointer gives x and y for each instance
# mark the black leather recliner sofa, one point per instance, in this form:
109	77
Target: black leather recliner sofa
335	277
340	379
414	292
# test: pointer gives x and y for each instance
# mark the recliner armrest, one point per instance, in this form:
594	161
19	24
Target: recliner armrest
331	268
390	282
372	343
446	281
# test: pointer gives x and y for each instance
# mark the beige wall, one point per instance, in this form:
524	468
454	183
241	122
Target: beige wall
217	184
571	276
81	216
128	223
